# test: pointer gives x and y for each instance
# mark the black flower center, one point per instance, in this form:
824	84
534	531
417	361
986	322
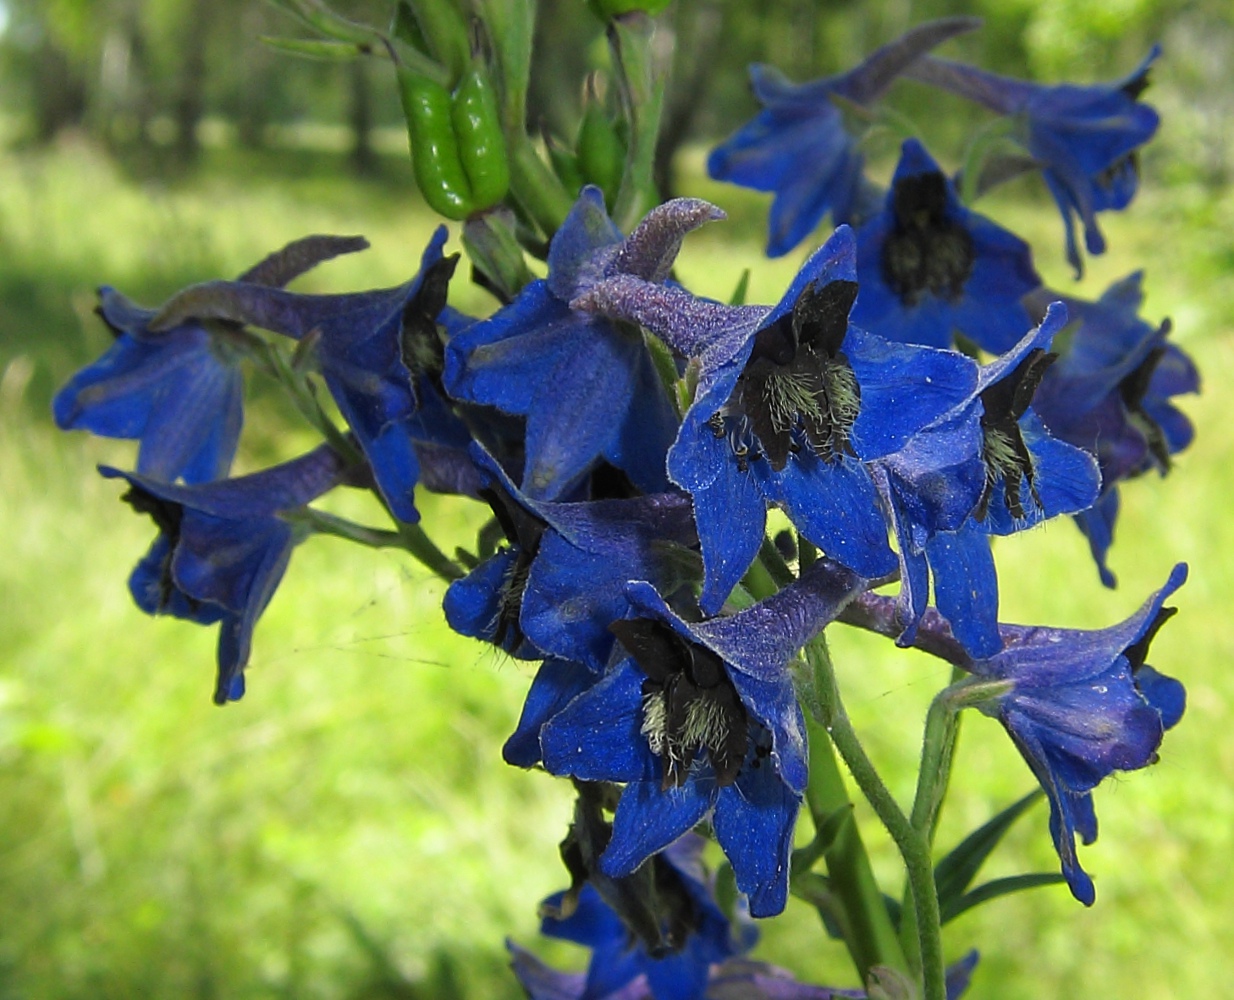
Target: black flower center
798	385
167	517
1132	389
523	531
689	704
420	343
1006	456
926	251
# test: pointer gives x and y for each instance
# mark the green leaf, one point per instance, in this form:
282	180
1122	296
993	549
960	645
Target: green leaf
312	48
738	298
995	888
955	873
406	28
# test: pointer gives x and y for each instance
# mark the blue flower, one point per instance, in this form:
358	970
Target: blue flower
1086	138
367	345
1110	394
222	549
701	720
986	467
927	267
798	146
792	400
621	965
1083	704
587	386
558	585
179	389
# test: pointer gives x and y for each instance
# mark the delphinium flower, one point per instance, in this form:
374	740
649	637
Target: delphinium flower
586	385
178	390
928	267
792	401
554	589
223	547
709	963
1085	138
621	964
375	350
986	467
1110	393
798	146
700	720
1079	704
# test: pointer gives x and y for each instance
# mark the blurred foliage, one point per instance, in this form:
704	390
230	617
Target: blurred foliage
348	829
145	75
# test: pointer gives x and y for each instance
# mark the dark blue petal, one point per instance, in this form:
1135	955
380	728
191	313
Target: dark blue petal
966	588
556	684
1097	523
754	821
730	512
903	389
835	506
572	256
648	818
597	736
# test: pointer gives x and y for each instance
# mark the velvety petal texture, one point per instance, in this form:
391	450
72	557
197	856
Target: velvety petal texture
223	548
799	148
179	393
988	466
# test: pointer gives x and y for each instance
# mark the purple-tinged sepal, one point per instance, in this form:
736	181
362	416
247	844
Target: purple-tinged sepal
792	402
376	351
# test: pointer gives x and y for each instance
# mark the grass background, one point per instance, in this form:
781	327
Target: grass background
348	829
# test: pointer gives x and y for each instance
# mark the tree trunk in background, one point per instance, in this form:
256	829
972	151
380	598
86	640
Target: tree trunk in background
191	100
59	92
698	29
360	118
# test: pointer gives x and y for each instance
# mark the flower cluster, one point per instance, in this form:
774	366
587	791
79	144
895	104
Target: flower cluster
914	393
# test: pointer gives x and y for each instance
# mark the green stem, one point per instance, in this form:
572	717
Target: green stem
937	752
536	187
868	931
913	845
323	523
427	554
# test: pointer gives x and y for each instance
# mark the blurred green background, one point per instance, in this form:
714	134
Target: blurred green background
348	830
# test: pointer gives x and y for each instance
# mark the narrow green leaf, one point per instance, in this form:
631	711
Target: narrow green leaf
955	873
314	48
998	887
738	298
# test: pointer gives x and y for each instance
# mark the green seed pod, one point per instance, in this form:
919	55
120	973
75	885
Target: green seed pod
481	143
434	149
